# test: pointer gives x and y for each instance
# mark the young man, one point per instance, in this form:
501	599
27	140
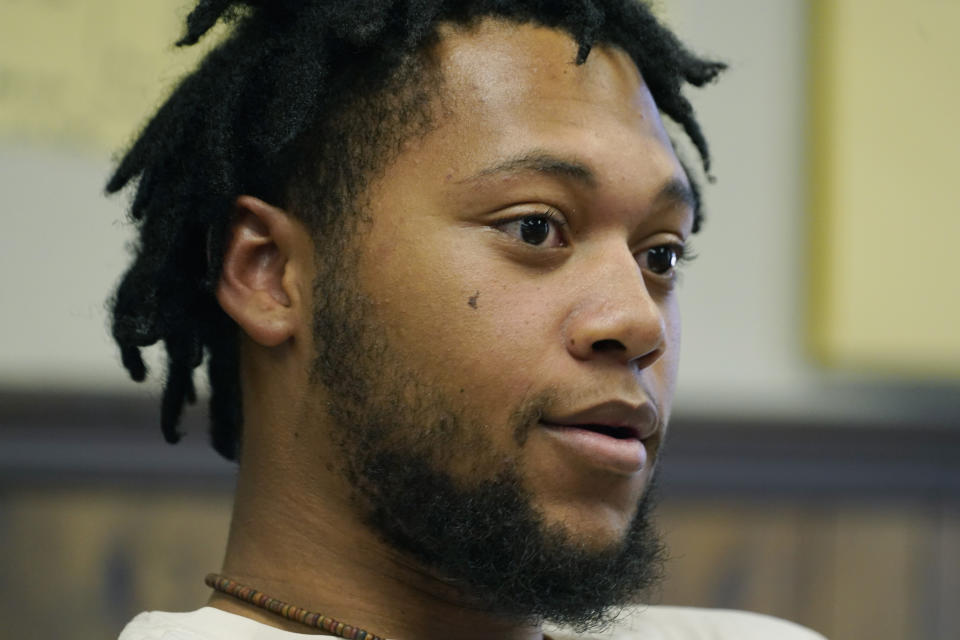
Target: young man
429	250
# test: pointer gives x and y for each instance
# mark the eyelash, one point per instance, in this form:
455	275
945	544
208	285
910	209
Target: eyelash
550	215
685	254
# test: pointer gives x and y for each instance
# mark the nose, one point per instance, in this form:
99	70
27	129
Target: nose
617	318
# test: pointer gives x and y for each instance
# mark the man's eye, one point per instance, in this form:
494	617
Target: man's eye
661	260
537	229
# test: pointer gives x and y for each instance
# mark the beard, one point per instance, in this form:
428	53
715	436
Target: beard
400	437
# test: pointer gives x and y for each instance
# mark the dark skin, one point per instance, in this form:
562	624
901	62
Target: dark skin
577	301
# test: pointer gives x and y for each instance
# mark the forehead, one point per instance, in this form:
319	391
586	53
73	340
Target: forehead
501	62
512	89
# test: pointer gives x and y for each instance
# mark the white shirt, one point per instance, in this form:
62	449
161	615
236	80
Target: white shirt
644	623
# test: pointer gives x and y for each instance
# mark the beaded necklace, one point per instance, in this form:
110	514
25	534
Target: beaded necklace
288	611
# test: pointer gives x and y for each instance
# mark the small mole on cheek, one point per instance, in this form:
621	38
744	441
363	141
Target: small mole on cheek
472	301
296	434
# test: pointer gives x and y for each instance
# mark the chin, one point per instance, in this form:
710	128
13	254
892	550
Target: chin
596	526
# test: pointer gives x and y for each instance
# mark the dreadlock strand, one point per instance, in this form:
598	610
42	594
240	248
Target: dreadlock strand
179	387
589	27
223	373
133	362
134	311
202	19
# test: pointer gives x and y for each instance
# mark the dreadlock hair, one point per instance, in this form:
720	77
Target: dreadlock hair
301	105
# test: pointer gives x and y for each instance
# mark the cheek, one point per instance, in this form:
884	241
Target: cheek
507	336
668	366
672	324
488	335
450	307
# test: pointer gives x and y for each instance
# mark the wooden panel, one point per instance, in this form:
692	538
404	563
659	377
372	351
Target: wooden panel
942	584
96	558
876	573
851	571
723	555
816	559
870	572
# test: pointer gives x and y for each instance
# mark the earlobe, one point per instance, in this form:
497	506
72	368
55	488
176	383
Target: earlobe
258	280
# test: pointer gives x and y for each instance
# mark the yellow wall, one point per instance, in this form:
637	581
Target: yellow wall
884	262
84	72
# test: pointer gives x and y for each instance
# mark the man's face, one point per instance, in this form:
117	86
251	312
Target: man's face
511	322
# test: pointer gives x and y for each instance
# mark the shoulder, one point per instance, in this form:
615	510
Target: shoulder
715	624
207	623
688	623
161	625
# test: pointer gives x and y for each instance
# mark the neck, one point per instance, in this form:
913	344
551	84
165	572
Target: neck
311	550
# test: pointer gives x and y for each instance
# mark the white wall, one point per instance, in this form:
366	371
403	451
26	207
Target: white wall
742	297
61	251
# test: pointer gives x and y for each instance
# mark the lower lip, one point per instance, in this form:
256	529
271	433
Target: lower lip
626	456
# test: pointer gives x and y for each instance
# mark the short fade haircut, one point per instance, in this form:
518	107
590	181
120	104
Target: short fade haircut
301	105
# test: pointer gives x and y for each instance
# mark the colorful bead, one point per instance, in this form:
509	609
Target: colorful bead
288	611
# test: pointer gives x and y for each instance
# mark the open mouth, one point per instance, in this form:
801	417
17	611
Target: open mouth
620	433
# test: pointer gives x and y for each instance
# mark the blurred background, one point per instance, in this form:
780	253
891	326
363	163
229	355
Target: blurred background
813	470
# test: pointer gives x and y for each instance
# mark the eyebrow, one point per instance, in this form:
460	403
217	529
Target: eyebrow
674	192
678	192
539	162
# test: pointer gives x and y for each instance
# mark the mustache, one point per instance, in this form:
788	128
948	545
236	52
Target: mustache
528	415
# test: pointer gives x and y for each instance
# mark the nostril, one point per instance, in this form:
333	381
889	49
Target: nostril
603	346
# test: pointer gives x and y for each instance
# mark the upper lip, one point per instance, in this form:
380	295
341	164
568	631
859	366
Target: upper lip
641	419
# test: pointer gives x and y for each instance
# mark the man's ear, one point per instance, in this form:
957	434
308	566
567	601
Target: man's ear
259	280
